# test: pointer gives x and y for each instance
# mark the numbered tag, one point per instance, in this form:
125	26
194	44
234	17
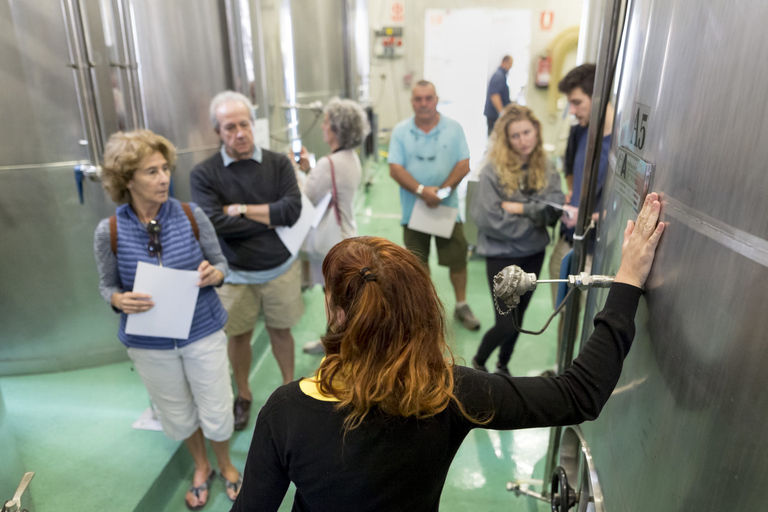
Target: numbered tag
633	177
641	117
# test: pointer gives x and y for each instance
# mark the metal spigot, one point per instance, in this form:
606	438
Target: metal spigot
14	505
91	172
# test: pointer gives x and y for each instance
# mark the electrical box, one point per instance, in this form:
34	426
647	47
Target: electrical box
388	42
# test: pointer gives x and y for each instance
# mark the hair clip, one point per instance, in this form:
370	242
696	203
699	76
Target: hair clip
367	275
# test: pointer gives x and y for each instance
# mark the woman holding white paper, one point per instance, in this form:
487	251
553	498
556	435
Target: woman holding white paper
187	379
511	218
345	126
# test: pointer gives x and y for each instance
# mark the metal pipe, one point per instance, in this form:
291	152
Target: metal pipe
79	63
235	38
600	96
128	65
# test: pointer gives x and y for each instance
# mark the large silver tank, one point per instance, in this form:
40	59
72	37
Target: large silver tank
684	429
73	72
313	50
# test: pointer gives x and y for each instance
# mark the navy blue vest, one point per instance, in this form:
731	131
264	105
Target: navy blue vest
181	250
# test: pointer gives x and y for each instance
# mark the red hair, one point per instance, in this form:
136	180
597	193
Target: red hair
390	351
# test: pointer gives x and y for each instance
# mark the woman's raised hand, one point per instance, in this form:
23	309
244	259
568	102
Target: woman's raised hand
641	238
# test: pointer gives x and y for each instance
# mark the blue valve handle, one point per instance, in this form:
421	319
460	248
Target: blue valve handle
79	177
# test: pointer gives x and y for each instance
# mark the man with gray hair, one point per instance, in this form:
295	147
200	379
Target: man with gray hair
247	191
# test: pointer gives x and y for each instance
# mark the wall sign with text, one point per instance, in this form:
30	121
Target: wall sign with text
641	118
632	178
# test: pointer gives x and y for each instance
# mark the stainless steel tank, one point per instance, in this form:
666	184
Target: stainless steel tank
684	429
313	50
73	72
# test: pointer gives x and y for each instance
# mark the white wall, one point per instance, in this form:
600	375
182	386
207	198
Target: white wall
391	96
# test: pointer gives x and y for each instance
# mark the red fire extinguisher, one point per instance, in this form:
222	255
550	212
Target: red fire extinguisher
543	70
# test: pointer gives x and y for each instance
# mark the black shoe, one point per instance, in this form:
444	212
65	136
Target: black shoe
502	369
478	366
242	412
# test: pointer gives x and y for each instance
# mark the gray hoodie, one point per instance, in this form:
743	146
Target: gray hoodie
505	235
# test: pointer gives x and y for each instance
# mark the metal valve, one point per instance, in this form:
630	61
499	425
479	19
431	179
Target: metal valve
14	505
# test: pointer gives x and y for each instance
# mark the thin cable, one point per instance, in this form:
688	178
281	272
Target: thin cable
557	311
318	115
394	87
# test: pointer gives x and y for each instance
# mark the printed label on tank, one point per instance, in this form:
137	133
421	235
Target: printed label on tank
641	117
633	177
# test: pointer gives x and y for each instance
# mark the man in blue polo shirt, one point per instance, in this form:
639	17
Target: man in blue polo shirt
497	96
429	152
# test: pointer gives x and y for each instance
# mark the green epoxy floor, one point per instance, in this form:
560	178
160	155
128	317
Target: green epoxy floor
74	428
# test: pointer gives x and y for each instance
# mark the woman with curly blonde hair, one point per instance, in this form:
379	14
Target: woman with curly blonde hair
512	216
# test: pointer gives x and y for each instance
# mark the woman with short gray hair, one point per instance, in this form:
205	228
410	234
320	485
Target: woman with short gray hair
345	126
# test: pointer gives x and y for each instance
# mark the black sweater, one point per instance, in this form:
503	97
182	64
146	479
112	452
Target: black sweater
391	463
247	244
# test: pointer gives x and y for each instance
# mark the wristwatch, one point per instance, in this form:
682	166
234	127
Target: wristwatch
419	189
243	209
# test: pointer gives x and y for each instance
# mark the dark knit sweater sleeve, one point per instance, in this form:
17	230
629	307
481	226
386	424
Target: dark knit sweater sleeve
265	480
286	210
577	395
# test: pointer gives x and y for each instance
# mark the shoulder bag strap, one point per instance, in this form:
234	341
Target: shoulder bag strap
113	234
191	217
335	197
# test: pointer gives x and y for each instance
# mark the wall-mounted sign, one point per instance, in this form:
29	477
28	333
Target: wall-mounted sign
397	12
641	117
632	178
546	20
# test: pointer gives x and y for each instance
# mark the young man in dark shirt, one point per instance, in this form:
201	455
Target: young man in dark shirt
578	85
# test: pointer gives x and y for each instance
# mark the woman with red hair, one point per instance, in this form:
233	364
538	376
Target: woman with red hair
379	424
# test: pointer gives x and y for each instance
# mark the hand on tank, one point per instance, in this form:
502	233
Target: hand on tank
209	275
429	195
132	302
641	238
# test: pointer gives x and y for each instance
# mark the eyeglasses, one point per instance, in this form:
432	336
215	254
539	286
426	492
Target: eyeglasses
154	246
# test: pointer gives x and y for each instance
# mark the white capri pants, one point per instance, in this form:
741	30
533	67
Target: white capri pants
190	387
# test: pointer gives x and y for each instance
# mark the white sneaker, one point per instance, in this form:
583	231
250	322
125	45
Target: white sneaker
314	347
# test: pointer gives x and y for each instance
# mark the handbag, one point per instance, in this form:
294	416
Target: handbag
321	239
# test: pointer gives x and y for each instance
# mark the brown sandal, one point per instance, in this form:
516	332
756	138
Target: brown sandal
233	486
196	490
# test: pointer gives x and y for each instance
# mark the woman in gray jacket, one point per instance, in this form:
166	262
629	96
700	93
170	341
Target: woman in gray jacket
511	219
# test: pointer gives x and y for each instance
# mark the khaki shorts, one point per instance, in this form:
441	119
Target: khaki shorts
190	387
451	252
279	299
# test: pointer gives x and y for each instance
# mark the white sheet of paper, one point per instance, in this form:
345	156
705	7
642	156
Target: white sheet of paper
261	133
292	237
320	209
434	221
174	293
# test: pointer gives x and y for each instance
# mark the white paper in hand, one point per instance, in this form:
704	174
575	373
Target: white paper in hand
320	209
292	237
174	293
434	221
